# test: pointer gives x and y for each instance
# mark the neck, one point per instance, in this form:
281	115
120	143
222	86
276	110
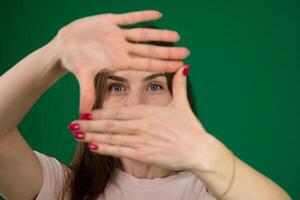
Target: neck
142	170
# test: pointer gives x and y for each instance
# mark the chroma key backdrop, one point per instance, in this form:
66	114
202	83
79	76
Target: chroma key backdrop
245	70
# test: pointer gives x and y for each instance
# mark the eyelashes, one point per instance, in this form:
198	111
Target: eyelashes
119	87
156	84
112	86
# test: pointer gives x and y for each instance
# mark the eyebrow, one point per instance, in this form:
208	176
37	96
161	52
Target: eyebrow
147	78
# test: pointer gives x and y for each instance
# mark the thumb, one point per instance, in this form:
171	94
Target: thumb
180	87
87	91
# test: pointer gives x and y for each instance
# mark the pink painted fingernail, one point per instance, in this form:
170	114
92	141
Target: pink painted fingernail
74	127
92	146
78	135
186	70
86	116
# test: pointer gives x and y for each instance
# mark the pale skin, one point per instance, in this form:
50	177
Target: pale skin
134	91
87	46
152	127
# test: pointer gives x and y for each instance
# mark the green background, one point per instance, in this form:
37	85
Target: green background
245	69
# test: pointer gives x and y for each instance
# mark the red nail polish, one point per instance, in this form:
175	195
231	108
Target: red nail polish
78	135
186	70
86	116
74	127
92	146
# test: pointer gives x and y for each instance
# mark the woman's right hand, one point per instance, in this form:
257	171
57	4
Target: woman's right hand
91	44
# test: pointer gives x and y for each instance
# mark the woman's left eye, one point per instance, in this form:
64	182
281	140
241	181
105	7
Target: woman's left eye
155	87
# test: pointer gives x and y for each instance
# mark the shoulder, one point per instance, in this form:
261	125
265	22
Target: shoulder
55	175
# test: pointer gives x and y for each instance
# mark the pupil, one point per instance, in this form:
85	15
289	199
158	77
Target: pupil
154	86
117	87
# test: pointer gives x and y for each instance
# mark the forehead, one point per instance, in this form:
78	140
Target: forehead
135	74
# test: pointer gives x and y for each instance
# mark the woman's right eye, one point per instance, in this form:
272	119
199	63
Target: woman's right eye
115	87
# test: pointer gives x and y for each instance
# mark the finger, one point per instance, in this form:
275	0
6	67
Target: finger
116	151
159	52
148	34
107	138
136	16
128	127
180	87
126	113
87	91
154	65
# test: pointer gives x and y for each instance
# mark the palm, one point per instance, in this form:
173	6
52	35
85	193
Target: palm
114	45
91	44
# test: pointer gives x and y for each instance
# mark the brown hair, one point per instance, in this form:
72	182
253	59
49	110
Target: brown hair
91	172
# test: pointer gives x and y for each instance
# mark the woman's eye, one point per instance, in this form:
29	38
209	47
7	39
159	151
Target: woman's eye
115	87
155	87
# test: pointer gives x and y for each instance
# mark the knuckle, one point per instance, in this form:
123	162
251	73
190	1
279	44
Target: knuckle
109	15
150	64
164	35
169	53
127	33
118	150
103	148
138	127
144	15
90	138
168	65
109	124
131	17
151	50
86	126
143	34
110	138
105	17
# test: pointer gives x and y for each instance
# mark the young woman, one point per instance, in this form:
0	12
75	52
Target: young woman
138	134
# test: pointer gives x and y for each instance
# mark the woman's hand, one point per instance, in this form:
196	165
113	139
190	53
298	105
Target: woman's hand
166	136
91	44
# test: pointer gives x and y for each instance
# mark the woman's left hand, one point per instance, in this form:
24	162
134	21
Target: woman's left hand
166	136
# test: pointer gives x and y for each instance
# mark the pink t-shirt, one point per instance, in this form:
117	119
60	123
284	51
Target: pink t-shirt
180	186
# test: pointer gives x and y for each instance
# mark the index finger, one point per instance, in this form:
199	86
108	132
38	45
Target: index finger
124	113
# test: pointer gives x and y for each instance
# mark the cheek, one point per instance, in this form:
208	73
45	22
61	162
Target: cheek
114	101
161	99
158	99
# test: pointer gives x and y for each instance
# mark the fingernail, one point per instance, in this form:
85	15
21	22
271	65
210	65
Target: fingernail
186	70
92	146
189	52
74	127
78	135
86	116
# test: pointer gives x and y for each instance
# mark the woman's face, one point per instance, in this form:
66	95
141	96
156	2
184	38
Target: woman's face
130	87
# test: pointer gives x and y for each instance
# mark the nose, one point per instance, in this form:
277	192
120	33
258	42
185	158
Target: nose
134	98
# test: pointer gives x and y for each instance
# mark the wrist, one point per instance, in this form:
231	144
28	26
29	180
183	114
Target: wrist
219	168
53	55
51	65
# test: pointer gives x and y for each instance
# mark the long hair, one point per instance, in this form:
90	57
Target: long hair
90	172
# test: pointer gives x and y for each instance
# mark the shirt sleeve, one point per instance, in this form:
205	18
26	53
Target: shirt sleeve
53	177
